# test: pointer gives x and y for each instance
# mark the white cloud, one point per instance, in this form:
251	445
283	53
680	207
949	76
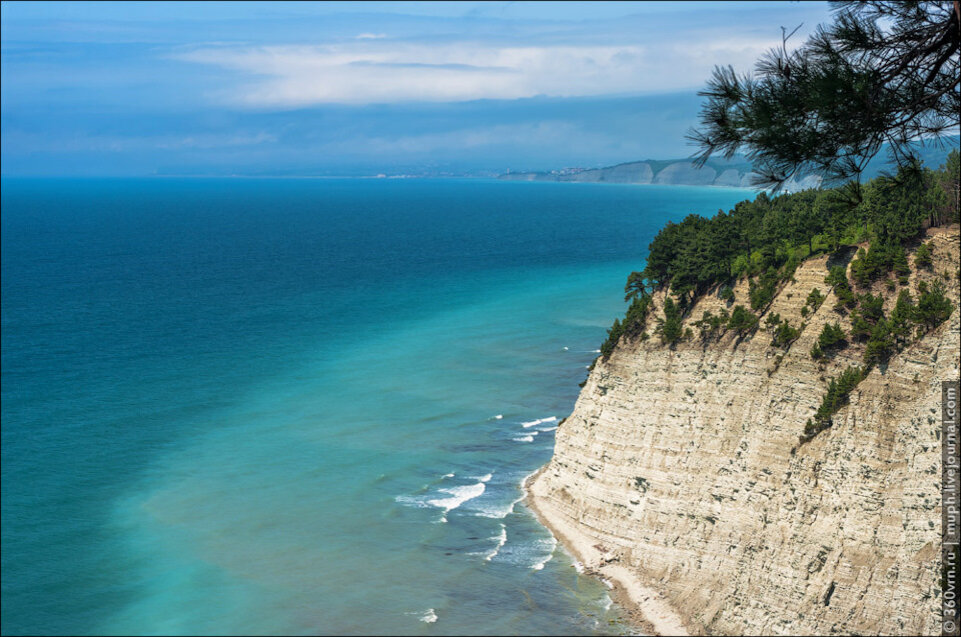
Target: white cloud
83	142
374	71
541	134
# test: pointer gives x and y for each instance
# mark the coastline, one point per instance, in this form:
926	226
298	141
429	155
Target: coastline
645	609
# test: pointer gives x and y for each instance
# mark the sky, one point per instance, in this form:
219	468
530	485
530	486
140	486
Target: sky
345	88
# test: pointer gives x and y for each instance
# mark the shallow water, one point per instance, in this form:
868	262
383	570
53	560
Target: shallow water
301	406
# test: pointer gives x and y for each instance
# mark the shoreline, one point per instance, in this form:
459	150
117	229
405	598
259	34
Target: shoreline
645	609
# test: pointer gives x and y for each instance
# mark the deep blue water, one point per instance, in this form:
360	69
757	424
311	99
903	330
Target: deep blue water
299	406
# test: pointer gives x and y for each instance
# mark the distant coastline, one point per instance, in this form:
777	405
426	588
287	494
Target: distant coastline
736	172
729	174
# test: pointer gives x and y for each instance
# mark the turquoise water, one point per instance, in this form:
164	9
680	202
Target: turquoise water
301	406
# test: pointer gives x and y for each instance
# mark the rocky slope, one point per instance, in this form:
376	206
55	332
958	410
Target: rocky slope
680	471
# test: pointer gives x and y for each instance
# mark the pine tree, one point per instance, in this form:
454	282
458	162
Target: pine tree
884	72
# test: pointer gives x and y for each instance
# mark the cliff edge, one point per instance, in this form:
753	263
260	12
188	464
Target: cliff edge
680	474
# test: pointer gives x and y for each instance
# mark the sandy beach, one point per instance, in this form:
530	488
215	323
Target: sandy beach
646	609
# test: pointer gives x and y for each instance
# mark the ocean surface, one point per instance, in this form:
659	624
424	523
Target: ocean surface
301	406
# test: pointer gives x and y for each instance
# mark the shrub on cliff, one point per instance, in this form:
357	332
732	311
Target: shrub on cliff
784	335
933	307
742	320
838	393
863	320
922	256
902	317
613	335
881	258
711	325
831	337
815	299
636	318
838	280
669	327
881	344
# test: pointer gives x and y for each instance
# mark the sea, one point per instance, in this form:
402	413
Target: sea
302	406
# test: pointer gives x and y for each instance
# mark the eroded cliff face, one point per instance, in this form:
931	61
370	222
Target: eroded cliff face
685	466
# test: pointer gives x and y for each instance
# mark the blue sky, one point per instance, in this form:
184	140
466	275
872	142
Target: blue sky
216	88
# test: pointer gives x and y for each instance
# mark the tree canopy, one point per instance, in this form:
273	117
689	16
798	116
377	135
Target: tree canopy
883	73
766	239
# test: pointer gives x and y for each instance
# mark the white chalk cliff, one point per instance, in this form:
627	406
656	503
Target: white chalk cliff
682	469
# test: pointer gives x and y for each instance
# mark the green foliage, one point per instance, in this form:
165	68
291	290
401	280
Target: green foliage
831	337
742	320
670	326
815	299
711	325
635	287
902	317
922	256
636	317
838	280
866	316
948	180
837	396
845	298
773	320
881	344
860	327
634	323
881	258
872	307
934	307
761	292
883	71
784	335
613	336
767	238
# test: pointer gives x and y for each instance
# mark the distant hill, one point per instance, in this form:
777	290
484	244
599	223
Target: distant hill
736	172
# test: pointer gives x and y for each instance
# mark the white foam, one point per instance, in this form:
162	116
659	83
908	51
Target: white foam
524	439
520	485
608	602
484	478
458	496
448	475
498	416
501	541
552	543
411	501
546	429
565	349
539	421
596	351
499	513
429	617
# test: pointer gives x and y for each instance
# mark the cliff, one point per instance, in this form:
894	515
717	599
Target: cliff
680	475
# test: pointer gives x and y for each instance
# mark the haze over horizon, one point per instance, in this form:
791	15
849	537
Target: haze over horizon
361	88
